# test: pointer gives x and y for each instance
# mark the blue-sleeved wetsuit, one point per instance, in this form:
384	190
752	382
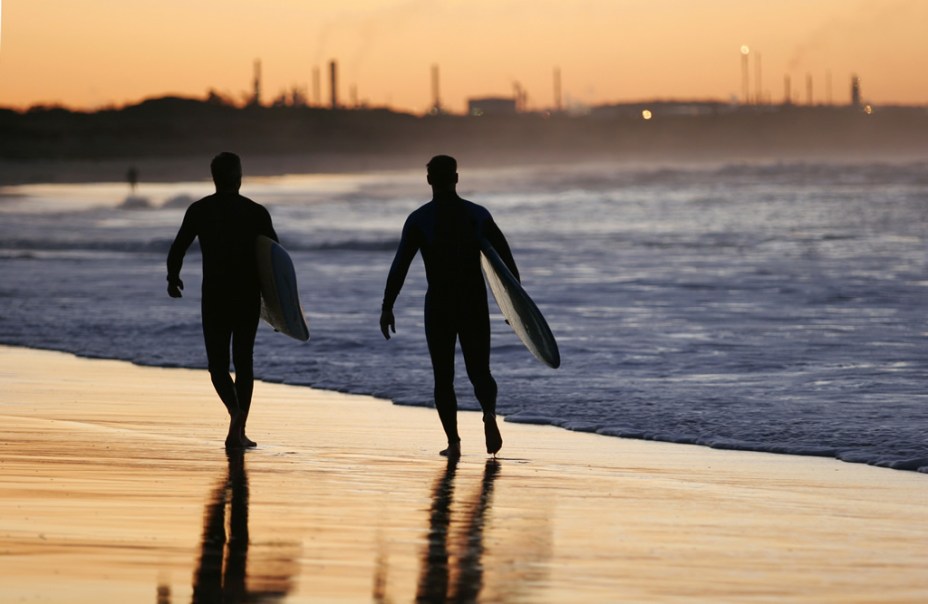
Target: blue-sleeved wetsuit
448	231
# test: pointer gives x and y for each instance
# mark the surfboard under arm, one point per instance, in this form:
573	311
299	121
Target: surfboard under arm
280	300
518	307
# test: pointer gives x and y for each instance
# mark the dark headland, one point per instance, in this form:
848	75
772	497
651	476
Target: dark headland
172	138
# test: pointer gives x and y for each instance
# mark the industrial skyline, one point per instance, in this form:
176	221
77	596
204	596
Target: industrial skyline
517	101
96	54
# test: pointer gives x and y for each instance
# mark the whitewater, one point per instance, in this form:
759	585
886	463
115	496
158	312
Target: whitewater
776	307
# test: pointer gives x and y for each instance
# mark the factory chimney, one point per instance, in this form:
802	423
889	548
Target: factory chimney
317	88
436	97
333	82
758	82
256	93
855	91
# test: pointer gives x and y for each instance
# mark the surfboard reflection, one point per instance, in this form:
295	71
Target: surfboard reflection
441	579
222	570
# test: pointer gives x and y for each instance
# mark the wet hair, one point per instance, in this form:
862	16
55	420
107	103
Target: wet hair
442	169
227	171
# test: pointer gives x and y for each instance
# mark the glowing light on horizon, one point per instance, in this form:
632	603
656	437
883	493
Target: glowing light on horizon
646	114
744	49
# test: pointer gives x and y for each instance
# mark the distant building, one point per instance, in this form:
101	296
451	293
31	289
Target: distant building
491	106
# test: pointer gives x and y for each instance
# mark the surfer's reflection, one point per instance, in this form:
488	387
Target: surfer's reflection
461	580
222	569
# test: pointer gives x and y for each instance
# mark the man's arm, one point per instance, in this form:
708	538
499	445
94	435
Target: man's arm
182	241
499	243
267	225
398	270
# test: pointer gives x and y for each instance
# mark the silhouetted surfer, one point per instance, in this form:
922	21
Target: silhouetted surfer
447	230
227	225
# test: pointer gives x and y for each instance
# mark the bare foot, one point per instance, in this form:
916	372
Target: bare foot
234	439
491	432
452	452
247	442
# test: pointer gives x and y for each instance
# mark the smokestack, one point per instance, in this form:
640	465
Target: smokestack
256	94
745	81
333	82
436	98
855	91
787	94
557	89
809	97
758	89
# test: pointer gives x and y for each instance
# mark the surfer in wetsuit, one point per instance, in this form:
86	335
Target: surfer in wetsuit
448	230
227	225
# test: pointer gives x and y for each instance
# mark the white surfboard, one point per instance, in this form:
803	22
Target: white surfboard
280	299
518	308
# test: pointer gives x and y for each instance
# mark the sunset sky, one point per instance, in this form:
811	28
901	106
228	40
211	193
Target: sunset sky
92	53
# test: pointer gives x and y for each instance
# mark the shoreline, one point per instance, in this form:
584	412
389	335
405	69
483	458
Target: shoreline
114	485
914	465
166	170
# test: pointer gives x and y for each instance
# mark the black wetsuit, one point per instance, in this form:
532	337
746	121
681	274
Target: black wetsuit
227	225
448	231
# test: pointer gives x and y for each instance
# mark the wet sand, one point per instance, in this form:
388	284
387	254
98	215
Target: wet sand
114	486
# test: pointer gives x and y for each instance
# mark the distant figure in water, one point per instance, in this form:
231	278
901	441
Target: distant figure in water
227	225
133	177
448	230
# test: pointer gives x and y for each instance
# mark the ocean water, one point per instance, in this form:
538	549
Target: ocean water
762	307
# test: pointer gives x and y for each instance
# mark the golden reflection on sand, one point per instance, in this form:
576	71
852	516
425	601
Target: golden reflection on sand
460	579
114	487
222	572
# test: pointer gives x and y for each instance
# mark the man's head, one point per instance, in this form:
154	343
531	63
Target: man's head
227	172
443	171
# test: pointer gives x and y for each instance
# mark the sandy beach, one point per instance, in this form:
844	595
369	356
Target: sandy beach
114	487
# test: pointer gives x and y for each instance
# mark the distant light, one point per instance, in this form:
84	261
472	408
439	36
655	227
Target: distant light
646	114
744	49
868	109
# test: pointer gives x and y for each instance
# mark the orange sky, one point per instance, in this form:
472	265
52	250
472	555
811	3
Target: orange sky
92	53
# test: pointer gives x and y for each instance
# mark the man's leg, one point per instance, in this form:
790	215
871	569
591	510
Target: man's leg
243	344
441	337
217	332
475	345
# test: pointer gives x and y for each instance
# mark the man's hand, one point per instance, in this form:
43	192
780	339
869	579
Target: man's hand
175	287
387	323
